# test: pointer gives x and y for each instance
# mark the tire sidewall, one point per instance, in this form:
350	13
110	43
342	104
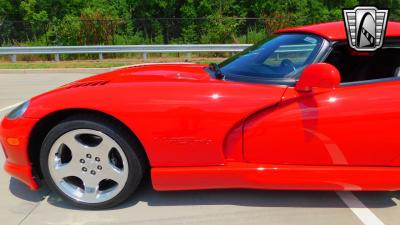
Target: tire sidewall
135	169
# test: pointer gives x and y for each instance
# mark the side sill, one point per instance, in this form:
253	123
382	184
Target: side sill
277	177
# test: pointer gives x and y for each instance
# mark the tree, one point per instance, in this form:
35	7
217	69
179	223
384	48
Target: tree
32	12
164	21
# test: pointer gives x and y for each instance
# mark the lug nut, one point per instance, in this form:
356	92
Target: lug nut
82	161
99	167
88	156
84	169
93	172
97	159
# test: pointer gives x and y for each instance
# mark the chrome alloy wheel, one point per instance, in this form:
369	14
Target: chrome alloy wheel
88	166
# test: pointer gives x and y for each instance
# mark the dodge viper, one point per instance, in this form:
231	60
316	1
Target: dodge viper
300	111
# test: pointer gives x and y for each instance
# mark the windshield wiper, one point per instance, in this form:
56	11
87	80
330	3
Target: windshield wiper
218	74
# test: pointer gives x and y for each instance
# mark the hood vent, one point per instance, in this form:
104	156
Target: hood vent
88	84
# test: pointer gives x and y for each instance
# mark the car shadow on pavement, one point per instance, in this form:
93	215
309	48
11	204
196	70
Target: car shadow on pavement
240	197
255	198
20	190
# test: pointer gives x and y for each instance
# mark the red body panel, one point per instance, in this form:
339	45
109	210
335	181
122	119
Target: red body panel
17	158
180	120
199	132
352	125
277	177
335	31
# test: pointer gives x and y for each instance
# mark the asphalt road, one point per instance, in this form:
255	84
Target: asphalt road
19	205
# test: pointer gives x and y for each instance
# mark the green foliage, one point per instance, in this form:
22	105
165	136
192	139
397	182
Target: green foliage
90	22
135	39
219	29
252	36
32	12
5	7
67	31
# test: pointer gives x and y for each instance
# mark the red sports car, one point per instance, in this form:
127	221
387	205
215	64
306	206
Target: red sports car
300	111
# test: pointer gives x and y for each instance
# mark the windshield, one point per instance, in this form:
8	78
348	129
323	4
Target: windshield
283	57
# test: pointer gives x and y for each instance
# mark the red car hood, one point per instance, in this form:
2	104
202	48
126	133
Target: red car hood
153	73
169	107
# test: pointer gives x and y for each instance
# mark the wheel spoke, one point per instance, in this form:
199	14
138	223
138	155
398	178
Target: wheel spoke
64	170
104	148
113	173
91	188
77	149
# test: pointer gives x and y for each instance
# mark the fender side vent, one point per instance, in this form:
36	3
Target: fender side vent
88	84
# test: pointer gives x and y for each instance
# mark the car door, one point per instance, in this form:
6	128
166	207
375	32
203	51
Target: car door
355	124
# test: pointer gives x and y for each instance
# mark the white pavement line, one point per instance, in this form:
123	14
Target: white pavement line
29	213
10	107
366	216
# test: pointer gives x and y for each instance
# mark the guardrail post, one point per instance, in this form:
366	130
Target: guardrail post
13	58
189	56
144	56
101	56
57	57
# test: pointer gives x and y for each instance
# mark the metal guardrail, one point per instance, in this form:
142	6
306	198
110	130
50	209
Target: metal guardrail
144	49
101	49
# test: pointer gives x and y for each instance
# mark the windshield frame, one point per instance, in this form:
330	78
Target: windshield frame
319	55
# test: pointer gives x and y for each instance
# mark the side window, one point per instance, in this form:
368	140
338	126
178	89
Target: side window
362	66
296	53
279	58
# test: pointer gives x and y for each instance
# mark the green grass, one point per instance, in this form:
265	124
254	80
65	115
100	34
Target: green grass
51	65
108	63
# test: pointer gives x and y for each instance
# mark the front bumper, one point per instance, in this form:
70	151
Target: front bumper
17	162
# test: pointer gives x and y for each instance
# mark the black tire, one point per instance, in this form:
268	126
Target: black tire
129	144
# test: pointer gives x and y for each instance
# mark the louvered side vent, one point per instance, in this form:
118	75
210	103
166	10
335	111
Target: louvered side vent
88	84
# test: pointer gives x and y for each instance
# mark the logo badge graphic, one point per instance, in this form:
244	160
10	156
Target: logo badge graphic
366	27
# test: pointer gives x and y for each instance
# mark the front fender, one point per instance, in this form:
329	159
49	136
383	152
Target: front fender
178	123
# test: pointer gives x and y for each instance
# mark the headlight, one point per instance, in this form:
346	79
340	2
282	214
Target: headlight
18	111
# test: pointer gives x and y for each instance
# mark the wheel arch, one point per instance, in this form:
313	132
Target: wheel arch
44	125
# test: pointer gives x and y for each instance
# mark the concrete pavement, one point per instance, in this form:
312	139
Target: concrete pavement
19	205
